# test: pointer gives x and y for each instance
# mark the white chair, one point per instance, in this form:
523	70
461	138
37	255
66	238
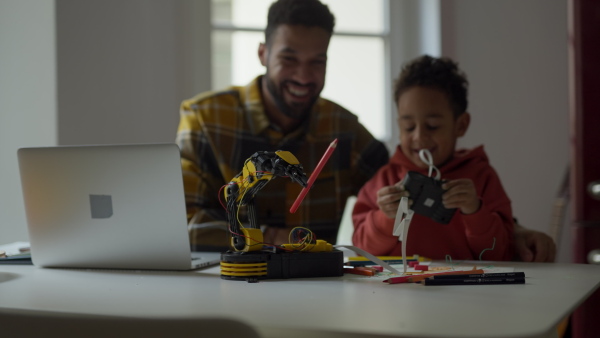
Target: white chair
344	236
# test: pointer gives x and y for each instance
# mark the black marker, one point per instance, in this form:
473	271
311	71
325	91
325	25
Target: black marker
475	281
482	275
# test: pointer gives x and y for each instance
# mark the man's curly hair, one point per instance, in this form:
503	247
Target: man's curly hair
308	13
437	73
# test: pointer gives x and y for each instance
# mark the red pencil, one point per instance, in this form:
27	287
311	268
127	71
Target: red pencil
314	175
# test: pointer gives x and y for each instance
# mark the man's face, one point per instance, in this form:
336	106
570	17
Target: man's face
296	61
426	121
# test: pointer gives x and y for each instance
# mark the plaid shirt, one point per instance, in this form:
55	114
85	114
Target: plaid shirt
218	131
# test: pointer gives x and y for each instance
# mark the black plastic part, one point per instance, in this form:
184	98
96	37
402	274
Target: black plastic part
283	265
426	194
239	242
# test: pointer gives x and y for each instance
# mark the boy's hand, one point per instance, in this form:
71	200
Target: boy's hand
461	194
388	199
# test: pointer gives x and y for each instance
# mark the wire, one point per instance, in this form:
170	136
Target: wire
300	237
219	194
237	214
258	242
450	262
427	158
484	250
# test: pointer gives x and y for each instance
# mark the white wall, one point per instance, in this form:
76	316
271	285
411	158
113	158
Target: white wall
93	72
125	66
27	99
515	55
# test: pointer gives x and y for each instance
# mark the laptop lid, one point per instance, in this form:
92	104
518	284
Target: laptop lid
109	206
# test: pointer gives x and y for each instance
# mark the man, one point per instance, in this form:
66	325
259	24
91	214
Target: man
282	110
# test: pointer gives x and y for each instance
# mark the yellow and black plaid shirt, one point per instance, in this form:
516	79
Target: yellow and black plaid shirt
218	131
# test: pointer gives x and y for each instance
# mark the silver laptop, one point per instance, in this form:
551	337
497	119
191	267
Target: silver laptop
116	207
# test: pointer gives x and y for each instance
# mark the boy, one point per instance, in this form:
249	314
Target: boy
431	97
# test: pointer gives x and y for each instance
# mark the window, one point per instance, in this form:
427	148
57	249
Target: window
358	62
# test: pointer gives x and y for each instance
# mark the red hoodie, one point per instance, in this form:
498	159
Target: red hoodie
465	237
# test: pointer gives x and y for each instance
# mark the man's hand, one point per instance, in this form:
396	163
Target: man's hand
461	194
388	199
533	246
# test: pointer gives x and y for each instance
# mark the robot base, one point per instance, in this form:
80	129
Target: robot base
253	266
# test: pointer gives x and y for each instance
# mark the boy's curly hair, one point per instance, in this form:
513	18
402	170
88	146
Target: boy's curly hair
438	73
298	12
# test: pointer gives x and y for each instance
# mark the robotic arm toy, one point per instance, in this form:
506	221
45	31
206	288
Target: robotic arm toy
303	257
258	170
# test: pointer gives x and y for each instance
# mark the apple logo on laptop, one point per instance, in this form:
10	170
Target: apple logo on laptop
101	206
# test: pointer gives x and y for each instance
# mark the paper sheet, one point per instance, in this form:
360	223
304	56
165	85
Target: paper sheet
14	248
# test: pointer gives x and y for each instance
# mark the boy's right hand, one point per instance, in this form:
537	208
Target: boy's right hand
388	199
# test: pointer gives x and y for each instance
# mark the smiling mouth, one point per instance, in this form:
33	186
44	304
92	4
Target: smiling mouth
299	92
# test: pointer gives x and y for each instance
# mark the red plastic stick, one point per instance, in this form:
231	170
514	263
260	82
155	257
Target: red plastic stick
314	175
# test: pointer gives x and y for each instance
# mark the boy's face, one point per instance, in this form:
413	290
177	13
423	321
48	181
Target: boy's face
426	121
296	61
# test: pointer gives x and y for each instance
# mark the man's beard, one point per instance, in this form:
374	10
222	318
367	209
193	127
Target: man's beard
297	113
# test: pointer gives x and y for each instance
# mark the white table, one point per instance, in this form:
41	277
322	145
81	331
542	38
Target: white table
350	306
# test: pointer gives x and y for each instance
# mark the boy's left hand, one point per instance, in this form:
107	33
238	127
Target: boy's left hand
461	194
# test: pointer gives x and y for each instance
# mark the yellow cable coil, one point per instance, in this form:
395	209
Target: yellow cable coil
243	269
